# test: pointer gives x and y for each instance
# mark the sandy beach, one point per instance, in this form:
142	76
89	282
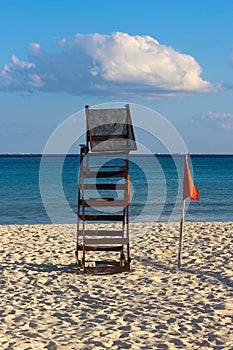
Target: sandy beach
155	306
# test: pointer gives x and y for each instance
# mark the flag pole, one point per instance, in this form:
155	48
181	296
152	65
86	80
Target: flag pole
182	221
181	235
189	191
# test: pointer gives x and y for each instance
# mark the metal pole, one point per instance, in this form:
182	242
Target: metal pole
181	236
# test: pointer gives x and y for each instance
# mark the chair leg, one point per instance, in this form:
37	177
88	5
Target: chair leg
122	258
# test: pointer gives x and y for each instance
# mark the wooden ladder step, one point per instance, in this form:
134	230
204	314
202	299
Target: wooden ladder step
119	167
105	241
101	233
104	186
102	217
82	247
103	202
107	269
104	174
96	153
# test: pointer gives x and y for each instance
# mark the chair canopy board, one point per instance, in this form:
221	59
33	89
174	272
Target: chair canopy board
110	129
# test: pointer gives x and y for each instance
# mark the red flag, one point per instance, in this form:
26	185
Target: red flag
189	190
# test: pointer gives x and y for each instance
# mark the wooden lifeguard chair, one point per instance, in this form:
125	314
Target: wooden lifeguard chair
104	191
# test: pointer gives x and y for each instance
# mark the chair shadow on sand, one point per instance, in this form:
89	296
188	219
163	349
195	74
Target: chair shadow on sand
36	267
202	273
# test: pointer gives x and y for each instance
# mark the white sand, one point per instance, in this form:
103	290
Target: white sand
156	306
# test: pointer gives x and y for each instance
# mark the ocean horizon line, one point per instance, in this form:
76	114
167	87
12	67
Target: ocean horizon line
3	155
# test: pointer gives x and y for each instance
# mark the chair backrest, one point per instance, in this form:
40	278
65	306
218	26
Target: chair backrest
110	129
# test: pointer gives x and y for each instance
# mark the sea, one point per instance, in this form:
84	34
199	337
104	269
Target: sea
38	189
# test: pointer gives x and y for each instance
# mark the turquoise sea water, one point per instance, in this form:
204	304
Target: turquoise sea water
34	193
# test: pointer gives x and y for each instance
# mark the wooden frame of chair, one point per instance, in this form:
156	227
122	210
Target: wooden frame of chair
106	178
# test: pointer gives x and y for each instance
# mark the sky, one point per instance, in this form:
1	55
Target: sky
172	57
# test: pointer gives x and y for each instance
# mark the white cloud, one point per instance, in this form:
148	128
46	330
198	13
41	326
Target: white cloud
106	64
16	75
21	64
216	120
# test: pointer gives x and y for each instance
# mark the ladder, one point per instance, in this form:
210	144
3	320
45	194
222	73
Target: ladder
103	201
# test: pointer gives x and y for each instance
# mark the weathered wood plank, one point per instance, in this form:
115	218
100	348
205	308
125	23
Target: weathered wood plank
81	247
101	217
106	240
112	233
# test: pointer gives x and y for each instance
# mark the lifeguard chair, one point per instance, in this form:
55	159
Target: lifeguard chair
104	191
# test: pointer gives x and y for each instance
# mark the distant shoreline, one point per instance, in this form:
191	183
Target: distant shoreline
72	155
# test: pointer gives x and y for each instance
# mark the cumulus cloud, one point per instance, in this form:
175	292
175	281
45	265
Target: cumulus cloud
215	120
106	64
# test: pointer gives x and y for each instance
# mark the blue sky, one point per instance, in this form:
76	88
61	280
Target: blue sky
175	57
